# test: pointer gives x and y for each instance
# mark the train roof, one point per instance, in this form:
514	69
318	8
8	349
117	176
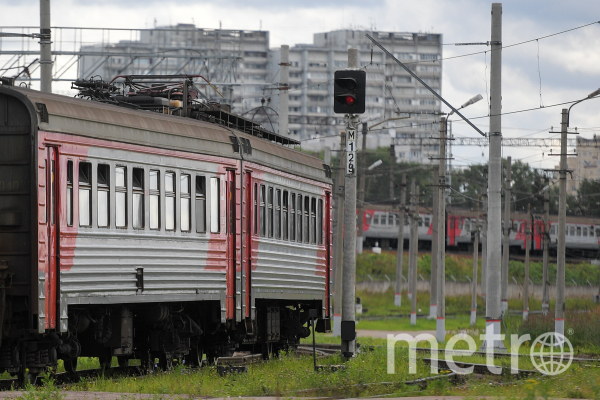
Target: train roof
57	113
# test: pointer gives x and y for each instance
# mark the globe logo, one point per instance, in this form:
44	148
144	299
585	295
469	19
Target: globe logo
555	353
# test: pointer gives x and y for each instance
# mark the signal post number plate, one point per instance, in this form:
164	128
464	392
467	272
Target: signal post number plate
351	151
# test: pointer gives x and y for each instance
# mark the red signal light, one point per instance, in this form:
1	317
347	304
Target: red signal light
349	100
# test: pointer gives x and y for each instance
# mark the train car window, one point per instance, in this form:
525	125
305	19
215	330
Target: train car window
368	218
306	223
255	209
44	178
121	197
52	193
277	219
299	219
585	231
154	199
103	195
313	220
420	221
293	216
375	219
270	211
263	222
391	220
552	230
572	233
170	201
578	231
185	202
284	216
320	221
215	206
138	198
201	204
85	194
427	222
70	193
597	232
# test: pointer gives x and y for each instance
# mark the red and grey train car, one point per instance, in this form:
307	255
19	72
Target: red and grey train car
139	234
582	234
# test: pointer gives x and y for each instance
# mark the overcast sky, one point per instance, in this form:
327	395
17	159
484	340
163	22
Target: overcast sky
568	66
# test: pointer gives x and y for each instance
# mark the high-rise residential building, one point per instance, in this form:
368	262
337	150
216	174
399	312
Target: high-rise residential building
391	91
584	165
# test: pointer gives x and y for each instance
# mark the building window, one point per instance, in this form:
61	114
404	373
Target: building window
263	223
270	211
293	217
154	199
85	194
284	221
121	197
200	204
185	202
215	206
103	195
70	193
138	198
277	219
170	201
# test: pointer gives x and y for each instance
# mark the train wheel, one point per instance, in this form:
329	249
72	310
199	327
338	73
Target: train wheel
194	359
147	360
106	360
123	361
70	364
26	377
165	361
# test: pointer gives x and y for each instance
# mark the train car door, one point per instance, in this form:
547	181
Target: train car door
52	201
232	259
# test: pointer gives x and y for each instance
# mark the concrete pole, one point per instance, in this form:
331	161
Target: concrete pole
400	250
440	329
338	238
284	86
361	189
559	315
475	265
484	243
392	168
493	312
528	230
411	240
434	246
506	237
545	277
45	48
414	249
349	274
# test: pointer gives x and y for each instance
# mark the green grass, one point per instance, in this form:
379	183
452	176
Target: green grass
423	324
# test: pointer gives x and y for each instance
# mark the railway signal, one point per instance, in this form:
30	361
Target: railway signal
349	91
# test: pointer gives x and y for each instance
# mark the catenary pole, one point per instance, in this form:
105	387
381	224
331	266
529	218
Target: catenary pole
348	328
483	234
411	212
528	230
506	236
284	86
414	248
546	232
338	240
361	189
493	312
392	165
434	246
400	250
440	328
559	312
45	48
475	266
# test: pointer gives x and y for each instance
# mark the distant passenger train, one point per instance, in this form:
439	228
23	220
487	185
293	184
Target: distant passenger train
381	225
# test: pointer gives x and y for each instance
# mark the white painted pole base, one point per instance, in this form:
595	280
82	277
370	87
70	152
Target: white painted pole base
493	327
413	318
473	317
559	326
504	306
398	299
545	308
409	294
525	315
337	325
440	329
359	245
432	311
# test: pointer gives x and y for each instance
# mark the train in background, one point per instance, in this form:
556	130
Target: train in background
380	226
